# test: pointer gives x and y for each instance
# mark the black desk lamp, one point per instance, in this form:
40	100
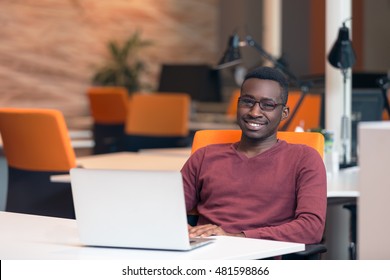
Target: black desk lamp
342	56
232	57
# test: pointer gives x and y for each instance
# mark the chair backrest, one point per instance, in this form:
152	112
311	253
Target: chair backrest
308	115
313	139
108	105
232	106
159	114
206	137
36	139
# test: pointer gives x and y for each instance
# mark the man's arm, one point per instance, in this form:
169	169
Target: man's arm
310	214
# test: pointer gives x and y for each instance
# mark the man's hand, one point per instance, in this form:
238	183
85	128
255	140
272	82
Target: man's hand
209	230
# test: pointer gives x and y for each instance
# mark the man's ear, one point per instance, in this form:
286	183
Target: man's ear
285	112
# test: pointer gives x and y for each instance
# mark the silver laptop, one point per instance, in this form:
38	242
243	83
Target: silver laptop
131	209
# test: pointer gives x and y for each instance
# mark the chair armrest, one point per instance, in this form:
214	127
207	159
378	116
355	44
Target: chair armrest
311	252
192	219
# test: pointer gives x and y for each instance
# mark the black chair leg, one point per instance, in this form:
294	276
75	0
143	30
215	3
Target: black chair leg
353	231
312	252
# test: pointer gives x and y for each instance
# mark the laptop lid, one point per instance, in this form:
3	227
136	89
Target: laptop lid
130	208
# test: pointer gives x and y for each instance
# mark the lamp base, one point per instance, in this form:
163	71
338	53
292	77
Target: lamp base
347	165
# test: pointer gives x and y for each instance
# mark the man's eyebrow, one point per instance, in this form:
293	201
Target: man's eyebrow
251	97
247	95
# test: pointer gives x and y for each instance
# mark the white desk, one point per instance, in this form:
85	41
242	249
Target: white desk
80	134
342	188
127	160
199	121
180	152
132	160
36	237
342	185
196	125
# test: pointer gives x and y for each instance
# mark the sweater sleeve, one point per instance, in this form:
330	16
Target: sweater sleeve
190	172
309	219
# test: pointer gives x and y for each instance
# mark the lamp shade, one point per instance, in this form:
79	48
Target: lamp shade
232	55
342	54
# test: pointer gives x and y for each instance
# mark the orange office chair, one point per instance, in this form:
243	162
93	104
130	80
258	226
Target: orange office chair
308	115
206	137
158	120
232	106
313	139
108	106
36	146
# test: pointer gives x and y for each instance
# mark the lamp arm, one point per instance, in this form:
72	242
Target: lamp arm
251	42
304	86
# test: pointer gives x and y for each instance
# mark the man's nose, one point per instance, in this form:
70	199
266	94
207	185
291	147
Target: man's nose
256	110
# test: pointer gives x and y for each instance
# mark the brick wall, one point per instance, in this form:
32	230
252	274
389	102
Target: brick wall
49	49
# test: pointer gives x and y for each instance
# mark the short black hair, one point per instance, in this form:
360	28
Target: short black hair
269	73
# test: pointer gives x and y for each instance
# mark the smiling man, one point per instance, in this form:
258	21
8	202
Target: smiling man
259	187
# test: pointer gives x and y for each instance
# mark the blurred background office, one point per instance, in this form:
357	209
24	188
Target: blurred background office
50	50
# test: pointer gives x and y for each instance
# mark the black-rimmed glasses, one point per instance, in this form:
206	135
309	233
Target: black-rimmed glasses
267	105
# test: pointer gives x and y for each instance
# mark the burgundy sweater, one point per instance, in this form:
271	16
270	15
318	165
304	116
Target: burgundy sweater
279	194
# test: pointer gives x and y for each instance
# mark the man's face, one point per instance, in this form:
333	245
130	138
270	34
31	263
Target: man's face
255	122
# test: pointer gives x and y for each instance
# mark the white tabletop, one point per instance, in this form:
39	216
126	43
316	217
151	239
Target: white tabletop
201	121
344	184
80	134
37	237
180	152
81	139
128	161
196	125
133	161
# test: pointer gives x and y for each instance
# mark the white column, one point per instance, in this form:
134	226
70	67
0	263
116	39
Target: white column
337	232
337	11
272	28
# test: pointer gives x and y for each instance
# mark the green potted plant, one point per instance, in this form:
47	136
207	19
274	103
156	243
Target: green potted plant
123	68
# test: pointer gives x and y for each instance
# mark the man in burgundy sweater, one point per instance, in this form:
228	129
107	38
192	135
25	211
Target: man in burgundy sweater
259	187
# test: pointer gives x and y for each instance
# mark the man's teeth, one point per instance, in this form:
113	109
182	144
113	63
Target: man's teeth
254	124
